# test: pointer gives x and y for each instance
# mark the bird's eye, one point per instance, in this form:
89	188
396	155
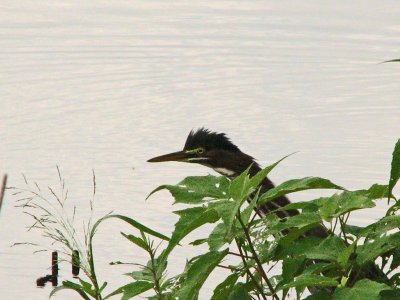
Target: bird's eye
200	151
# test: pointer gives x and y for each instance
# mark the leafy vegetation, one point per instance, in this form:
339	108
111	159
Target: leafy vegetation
267	257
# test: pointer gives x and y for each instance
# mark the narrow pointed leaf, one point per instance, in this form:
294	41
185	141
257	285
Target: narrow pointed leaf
137	241
395	171
131	222
132	289
68	285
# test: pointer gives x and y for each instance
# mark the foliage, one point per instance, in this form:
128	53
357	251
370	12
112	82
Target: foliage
279	258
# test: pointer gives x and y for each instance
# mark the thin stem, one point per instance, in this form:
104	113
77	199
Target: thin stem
259	288
256	258
157	287
240	255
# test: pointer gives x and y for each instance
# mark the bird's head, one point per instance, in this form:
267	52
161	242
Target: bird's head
211	149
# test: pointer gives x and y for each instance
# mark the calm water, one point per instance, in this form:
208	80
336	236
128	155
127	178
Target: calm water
109	84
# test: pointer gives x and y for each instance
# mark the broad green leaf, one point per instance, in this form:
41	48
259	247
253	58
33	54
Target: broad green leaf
376	191
395	171
190	219
217	237
320	295
68	285
239	188
329	249
226	209
363	289
297	221
296	185
346	255
297	248
340	204
291	267
137	241
224	289
239	291
390	294
369	251
132	289
194	189
309	280
382	226
198	273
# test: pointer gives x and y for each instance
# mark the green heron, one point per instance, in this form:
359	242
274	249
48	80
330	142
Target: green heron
216	151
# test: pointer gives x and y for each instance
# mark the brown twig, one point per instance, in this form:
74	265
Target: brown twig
3	188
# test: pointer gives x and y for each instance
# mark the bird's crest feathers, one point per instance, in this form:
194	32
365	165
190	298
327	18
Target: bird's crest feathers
209	140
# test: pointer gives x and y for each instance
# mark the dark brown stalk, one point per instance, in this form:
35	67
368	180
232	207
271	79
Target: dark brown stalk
3	188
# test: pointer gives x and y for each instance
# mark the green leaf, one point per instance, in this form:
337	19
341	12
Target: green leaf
382	226
194	189
198	273
376	191
257	179
217	237
297	221
132	289
390	294
320	295
329	249
68	285
308	280
395	171
137	241
345	256
291	267
131	222
224	289
239	188
296	185
143	275
363	289
87	287
190	219
340	204
239	291
369	251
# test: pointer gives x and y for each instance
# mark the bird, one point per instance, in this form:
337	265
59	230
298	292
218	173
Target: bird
215	150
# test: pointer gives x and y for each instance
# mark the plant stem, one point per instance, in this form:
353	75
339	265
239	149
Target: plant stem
157	288
256	258
259	288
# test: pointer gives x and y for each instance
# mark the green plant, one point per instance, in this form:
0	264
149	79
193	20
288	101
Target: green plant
353	262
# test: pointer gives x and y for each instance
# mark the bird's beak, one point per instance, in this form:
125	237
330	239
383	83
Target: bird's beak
175	156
